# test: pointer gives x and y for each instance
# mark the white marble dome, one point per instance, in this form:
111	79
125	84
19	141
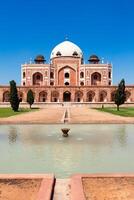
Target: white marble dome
66	48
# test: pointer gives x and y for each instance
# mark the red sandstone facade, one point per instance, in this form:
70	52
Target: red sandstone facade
67	78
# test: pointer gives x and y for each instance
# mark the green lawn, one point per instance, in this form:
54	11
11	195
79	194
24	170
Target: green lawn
126	112
7	112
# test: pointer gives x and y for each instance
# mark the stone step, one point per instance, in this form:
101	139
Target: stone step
62	189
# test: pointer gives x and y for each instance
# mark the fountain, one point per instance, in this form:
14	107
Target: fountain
65	132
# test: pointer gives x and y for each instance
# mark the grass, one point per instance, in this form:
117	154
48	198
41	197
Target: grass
7	112
125	112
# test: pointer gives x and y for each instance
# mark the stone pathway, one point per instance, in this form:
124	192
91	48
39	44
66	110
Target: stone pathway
74	115
46	115
87	115
62	189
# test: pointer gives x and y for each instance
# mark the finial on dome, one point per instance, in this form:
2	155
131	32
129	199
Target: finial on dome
30	60
102	60
66	38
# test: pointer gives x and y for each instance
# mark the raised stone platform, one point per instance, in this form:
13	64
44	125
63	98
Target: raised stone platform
67	104
102	186
25	186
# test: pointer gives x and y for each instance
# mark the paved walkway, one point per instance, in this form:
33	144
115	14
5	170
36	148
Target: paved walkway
47	115
62	189
74	115
87	115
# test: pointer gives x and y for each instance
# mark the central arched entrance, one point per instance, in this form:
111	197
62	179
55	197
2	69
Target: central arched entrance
67	76
66	96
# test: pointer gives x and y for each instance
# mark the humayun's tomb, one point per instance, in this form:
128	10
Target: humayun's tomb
67	78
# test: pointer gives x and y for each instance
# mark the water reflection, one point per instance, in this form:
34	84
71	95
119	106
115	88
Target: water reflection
34	135
89	148
122	136
12	136
79	139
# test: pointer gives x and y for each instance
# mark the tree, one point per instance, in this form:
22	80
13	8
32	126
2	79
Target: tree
120	94
14	99
30	98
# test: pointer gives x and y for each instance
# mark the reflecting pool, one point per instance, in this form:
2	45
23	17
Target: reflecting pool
88	149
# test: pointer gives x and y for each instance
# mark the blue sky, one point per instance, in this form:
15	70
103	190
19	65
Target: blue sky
102	27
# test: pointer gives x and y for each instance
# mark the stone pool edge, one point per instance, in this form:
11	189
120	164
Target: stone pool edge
60	123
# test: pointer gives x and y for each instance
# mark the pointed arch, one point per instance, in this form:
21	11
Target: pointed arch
128	96
78	96
103	96
37	78
90	96
55	96
96	78
43	96
6	96
67	96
